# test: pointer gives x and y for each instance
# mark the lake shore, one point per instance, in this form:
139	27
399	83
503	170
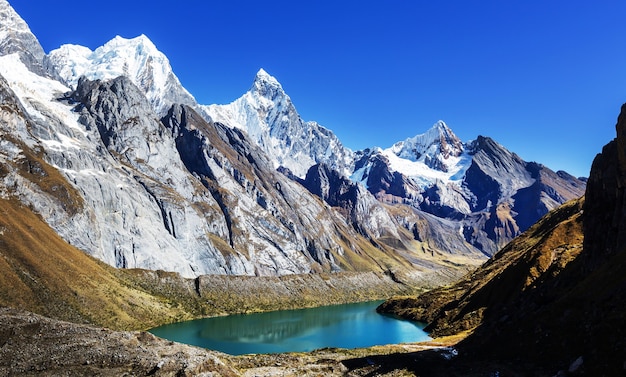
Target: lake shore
34	345
218	295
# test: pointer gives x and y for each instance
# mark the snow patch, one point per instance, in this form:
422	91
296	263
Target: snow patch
39	94
424	175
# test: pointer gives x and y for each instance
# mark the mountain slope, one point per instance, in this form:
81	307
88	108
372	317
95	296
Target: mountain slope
545	249
165	187
555	297
16	37
175	192
42	273
490	191
181	195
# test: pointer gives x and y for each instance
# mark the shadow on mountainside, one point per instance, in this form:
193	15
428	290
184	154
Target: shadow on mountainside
551	302
435	363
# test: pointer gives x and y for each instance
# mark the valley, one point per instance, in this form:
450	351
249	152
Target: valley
125	205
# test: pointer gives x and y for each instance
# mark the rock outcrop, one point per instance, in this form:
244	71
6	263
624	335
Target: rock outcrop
16	38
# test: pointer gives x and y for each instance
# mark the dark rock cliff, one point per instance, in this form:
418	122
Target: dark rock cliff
605	209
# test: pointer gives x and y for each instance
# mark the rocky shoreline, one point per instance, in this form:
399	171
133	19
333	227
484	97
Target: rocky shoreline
33	345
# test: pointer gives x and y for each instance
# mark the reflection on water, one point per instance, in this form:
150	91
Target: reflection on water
345	326
275	326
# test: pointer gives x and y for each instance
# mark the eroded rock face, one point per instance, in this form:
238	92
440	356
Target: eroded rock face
605	207
361	209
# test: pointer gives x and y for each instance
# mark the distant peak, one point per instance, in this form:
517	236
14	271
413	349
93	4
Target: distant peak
441	124
439	135
262	73
141	40
266	84
10	20
263	77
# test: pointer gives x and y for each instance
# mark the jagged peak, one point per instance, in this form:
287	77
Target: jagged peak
439	134
136	58
119	56
263	76
266	85
10	20
441	129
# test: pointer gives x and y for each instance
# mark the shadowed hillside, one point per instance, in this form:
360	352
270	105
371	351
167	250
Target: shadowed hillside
550	301
542	251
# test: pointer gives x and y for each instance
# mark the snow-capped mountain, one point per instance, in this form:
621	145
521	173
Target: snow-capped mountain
268	115
436	155
122	162
136	58
436	148
16	37
490	191
175	191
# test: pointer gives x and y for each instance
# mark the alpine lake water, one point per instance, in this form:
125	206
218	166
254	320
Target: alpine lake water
343	326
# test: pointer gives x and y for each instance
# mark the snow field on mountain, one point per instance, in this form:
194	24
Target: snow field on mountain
425	176
38	95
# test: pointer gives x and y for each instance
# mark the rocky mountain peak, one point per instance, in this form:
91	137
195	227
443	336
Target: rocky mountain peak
269	117
264	78
268	87
436	145
16	37
12	23
136	58
605	204
450	143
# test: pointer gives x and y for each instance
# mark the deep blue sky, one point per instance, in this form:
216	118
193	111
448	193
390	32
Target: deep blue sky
544	78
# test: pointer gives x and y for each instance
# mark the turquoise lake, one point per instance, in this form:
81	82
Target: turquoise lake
344	326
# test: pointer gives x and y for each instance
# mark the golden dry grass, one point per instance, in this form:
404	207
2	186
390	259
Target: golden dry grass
546	248
40	272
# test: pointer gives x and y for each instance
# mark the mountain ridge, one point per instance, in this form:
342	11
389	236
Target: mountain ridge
553	298
195	189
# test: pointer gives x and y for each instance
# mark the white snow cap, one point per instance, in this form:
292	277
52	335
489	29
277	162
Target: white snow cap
11	21
265	79
136	58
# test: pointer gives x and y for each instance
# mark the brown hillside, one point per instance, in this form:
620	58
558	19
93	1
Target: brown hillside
550	301
544	250
41	273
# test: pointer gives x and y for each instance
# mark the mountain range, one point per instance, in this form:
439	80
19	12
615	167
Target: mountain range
551	302
120	160
127	204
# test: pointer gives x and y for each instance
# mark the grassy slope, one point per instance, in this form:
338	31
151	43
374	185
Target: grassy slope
538	305
544	249
41	273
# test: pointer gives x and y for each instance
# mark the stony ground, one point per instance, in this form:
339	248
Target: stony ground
32	345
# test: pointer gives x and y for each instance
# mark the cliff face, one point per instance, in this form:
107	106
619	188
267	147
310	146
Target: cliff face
605	209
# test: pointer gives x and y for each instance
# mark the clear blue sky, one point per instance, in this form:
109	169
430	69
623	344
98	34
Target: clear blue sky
544	78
